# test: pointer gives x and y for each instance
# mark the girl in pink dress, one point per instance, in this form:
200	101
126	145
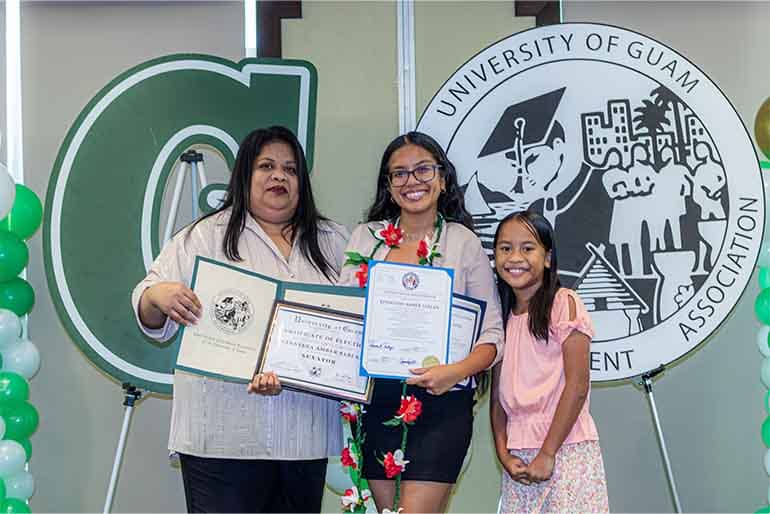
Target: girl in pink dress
544	435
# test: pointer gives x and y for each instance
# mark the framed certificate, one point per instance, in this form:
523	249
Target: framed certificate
238	304
467	317
316	350
407	319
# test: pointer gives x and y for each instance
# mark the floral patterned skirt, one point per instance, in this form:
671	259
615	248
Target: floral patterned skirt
577	485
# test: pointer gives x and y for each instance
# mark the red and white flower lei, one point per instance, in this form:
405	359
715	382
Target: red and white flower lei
410	407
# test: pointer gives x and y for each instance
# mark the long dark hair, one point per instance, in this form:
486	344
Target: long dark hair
451	204
539	308
304	222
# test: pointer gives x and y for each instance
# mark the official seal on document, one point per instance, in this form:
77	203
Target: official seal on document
410	281
232	311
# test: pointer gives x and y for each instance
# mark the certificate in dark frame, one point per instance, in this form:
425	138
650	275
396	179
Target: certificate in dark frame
316	387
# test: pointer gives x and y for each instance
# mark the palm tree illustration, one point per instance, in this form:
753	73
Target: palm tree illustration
651	118
665	98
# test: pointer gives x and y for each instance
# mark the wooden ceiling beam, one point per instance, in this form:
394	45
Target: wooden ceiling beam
545	12
269	16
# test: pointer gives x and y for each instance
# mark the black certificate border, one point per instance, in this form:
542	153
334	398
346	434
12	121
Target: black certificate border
302	385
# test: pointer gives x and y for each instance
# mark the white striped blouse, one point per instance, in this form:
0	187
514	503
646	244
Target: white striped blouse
214	418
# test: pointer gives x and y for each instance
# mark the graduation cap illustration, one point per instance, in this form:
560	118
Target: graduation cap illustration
537	113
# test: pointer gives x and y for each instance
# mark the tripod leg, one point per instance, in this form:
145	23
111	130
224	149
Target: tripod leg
662	443
118	459
171	221
202	175
194	189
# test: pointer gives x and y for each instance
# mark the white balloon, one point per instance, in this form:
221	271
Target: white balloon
20	486
764	373
10	329
23	358
766	184
767	462
12	458
7	191
762	341
337	479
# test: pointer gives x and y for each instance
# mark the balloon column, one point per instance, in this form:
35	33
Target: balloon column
762	303
20	216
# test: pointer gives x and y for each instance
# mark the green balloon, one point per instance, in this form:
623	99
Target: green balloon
13	387
765	432
14	506
17	295
762	307
763	510
26	213
21	419
27	448
764	278
14	255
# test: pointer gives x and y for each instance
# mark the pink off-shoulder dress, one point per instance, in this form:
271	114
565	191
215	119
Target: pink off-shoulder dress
531	383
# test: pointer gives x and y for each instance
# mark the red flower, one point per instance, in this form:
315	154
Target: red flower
392	235
362	274
394	463
422	249
348	459
410	409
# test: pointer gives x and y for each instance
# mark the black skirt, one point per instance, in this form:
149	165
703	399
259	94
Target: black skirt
437	441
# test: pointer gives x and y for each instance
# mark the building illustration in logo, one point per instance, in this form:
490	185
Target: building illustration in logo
614	306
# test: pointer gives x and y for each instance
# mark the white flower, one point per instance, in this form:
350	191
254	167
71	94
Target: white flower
351	410
365	495
398	459
348	408
351	499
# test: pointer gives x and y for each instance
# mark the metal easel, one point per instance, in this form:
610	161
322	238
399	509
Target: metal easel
645	380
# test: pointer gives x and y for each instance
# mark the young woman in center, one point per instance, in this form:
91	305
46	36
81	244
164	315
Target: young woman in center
418	193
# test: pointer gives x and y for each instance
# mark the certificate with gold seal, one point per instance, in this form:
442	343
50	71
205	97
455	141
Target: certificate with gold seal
407	319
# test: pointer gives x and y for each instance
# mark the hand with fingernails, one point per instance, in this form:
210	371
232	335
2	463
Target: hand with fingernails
516	468
540	469
437	379
266	383
170	299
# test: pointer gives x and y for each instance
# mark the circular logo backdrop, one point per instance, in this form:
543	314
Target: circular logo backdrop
638	160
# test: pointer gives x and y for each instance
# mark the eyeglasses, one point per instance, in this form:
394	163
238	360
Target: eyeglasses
422	174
